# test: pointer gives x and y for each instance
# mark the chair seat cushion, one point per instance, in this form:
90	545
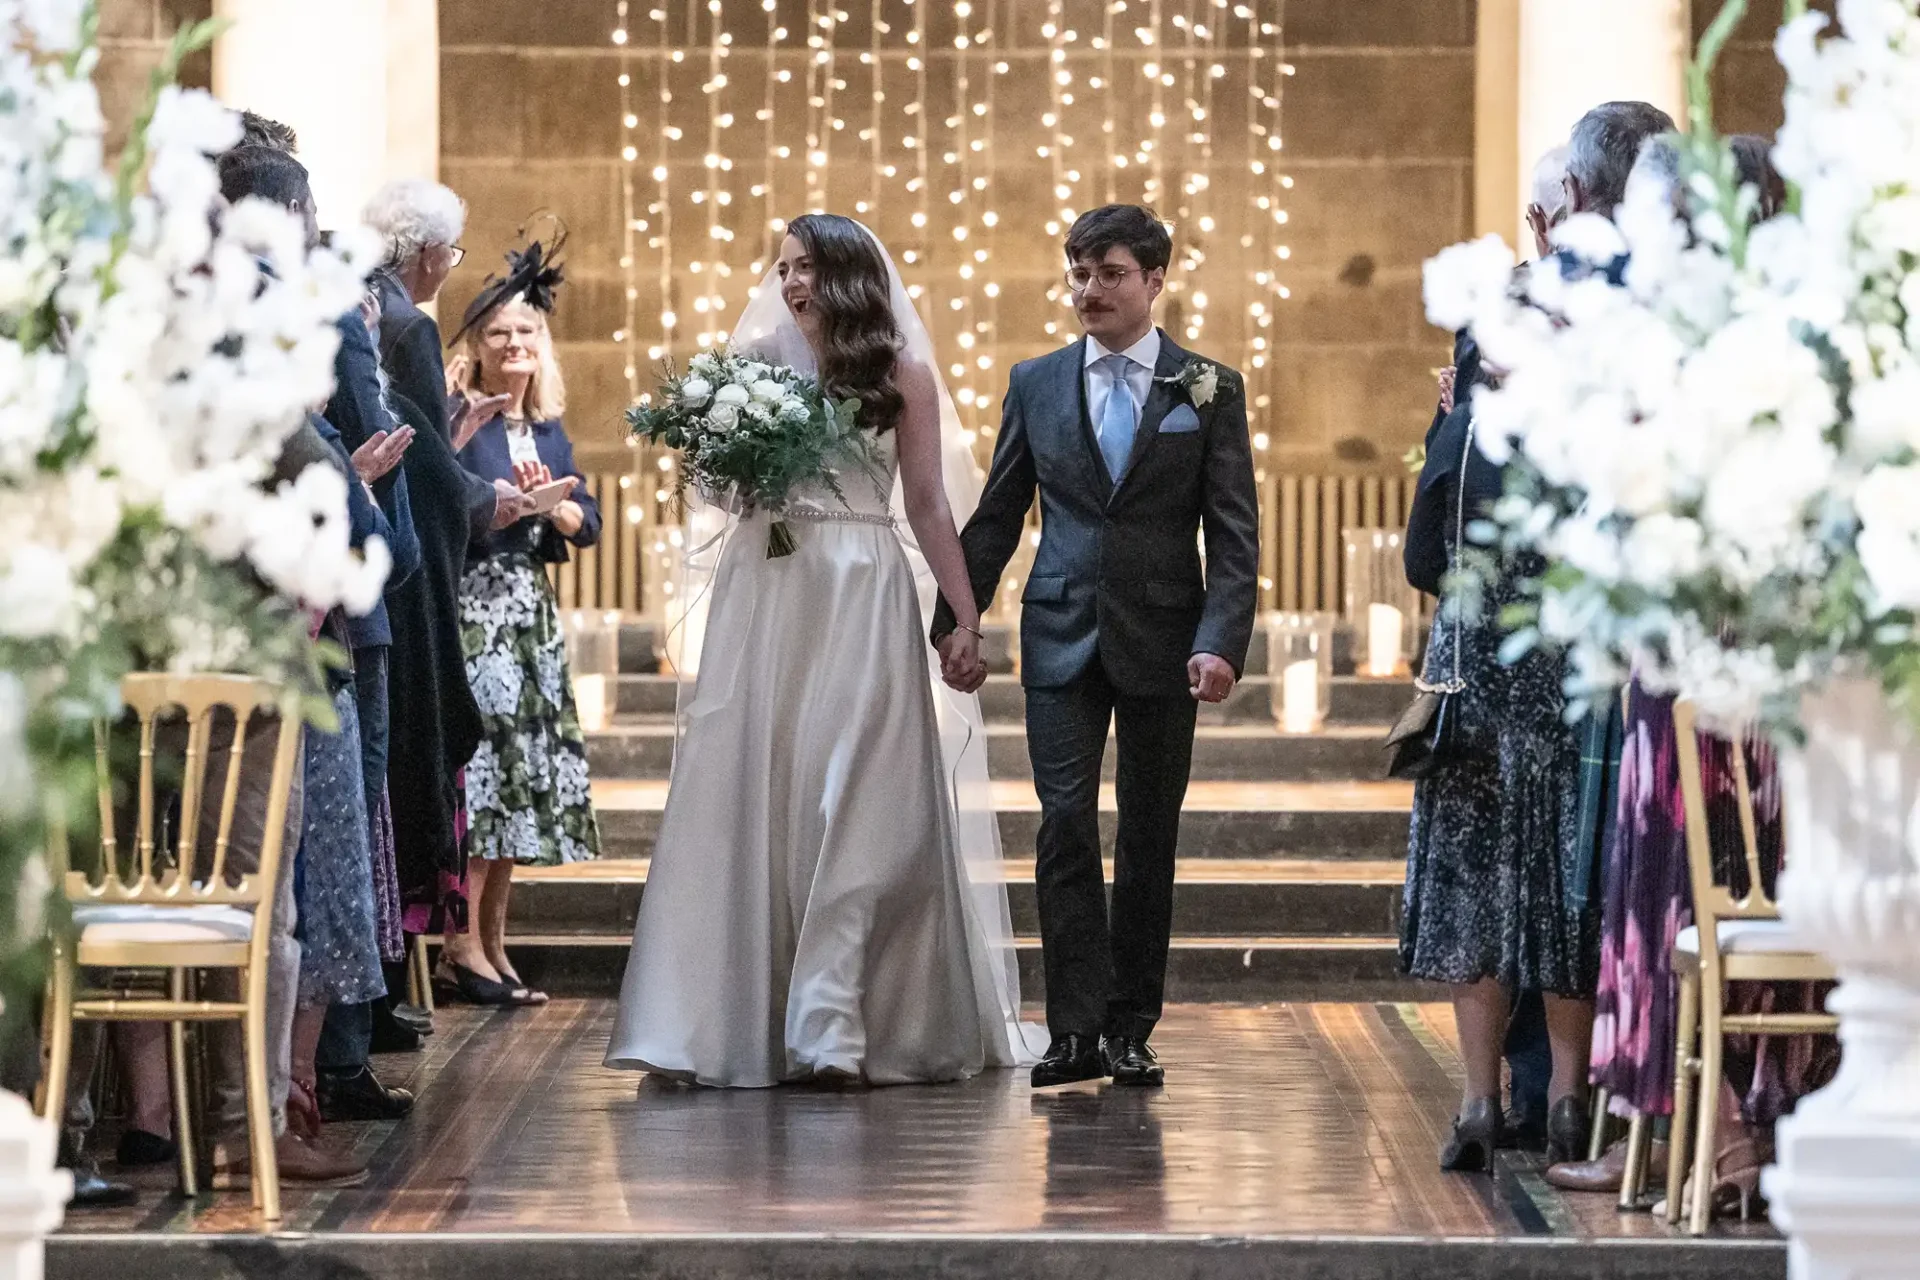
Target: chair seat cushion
136	923
1749	936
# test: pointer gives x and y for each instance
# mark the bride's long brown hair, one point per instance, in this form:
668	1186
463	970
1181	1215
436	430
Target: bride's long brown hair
859	339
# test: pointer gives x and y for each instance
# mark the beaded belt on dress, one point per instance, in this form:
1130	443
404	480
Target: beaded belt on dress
817	515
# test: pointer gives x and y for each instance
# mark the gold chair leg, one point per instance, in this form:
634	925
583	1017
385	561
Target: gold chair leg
59	1040
266	1167
422	974
1597	1127
1634	1181
182	1083
1706	1138
1686	1036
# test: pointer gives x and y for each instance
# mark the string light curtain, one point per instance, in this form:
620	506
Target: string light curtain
986	127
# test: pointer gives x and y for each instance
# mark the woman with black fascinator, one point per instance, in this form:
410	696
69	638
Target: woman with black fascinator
527	793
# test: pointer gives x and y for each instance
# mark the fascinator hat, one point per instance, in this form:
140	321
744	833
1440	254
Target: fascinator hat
533	273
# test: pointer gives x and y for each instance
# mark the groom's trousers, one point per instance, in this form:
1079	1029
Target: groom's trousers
1106	970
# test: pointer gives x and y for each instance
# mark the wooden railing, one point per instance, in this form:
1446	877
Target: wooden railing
1301	519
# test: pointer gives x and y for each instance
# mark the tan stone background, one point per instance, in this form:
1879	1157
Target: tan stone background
1378	122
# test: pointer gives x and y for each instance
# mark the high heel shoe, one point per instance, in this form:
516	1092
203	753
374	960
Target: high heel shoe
1476	1131
1567	1130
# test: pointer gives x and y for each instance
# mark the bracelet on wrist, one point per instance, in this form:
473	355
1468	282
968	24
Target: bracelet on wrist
972	631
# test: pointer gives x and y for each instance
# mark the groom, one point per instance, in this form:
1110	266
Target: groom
1135	446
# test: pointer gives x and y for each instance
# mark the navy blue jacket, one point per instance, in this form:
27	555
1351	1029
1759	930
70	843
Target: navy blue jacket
487	455
358	411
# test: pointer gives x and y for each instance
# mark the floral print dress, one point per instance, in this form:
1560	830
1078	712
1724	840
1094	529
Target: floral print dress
528	795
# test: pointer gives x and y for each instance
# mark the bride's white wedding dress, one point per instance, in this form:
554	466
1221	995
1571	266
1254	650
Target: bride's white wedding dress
814	905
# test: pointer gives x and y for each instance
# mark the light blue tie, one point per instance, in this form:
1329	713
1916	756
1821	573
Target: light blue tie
1117	422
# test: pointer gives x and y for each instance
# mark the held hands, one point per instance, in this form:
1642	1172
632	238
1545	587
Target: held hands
474	413
961	665
1210	677
381	453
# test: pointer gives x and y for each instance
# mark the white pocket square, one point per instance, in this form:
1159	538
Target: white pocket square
1182	419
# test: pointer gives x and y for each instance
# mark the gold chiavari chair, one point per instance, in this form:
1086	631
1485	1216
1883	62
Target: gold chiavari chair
169	910
1731	940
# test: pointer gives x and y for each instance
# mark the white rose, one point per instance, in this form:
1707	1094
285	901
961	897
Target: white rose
723	417
705	365
768	391
694	392
793	409
734	394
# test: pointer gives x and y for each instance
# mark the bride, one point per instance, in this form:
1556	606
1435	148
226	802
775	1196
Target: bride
825	902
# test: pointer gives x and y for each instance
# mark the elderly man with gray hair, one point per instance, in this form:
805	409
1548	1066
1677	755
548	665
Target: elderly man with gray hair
1603	150
435	721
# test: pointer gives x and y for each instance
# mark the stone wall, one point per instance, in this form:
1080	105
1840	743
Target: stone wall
134	35
1378	123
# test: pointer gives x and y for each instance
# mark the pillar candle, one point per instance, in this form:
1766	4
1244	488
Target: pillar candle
590	702
1383	639
1300	697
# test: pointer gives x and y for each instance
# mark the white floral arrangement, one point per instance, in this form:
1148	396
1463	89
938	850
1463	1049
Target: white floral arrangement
750	433
152	366
1718	451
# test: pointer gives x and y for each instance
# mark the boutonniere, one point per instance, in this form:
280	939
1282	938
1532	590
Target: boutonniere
1199	379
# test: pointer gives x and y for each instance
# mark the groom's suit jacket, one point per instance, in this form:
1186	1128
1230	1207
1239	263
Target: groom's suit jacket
1119	576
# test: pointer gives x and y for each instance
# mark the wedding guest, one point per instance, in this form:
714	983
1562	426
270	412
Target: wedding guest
435	724
528	800
1647	894
1494	898
346	1085
332	869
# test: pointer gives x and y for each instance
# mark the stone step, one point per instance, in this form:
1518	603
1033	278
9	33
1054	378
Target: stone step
1212	897
1199	969
1221	753
640	649
1355	701
1278	821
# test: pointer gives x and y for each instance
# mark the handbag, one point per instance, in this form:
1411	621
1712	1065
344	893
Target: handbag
1427	737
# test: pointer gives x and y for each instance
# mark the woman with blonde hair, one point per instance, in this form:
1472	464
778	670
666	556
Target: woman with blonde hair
527	796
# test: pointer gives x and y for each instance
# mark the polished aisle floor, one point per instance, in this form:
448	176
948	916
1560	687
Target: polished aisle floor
1310	1119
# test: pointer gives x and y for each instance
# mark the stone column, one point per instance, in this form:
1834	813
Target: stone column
1542	64
357	79
1846	1188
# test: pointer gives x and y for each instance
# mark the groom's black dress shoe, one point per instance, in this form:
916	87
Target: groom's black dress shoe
1070	1059
1131	1062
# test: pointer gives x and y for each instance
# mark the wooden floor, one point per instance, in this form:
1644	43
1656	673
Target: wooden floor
1308	1120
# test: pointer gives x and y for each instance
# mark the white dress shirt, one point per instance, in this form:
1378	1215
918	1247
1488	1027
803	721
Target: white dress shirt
1145	355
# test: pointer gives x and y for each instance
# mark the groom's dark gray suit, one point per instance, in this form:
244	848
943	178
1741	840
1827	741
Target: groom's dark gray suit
1116	605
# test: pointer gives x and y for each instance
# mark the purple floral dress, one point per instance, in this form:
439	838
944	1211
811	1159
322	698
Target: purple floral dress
1647	900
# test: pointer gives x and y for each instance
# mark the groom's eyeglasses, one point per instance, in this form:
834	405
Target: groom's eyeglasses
1080	279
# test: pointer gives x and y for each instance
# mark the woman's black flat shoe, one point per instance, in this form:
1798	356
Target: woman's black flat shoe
1476	1132
1568	1129
457	982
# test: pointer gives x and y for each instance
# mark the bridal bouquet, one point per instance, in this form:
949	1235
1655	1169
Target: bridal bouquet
750	433
1719	455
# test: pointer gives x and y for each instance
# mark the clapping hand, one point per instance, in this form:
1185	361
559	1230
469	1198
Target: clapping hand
531	475
1448	376
381	453
474	413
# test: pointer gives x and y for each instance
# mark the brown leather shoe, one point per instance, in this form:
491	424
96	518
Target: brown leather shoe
302	1162
1608	1172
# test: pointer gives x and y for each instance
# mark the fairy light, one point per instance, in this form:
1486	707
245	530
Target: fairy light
1110	72
627	339
662	209
1152	155
876	98
773	217
922	142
